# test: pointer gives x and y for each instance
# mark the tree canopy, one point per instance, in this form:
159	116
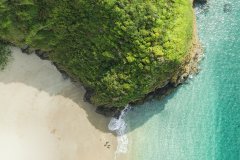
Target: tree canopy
119	49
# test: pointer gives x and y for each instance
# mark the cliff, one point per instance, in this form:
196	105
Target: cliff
119	50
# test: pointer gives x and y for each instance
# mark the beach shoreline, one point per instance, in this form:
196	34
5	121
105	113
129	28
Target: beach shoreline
44	116
189	68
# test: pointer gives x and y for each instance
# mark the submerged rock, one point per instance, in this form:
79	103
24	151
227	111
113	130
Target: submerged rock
227	8
200	1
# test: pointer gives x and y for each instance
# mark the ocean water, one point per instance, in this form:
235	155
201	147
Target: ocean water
201	120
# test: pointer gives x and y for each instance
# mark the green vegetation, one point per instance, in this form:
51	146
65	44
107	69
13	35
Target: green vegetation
119	49
4	55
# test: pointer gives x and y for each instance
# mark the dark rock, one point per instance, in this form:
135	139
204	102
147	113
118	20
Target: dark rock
159	93
202	4
87	95
26	49
200	1
109	111
63	72
43	55
227	8
64	75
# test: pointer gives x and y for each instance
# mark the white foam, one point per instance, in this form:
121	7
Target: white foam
119	126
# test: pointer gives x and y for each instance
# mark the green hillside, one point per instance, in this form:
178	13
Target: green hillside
119	49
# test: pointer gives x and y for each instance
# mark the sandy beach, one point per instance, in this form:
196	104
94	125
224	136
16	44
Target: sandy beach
43	116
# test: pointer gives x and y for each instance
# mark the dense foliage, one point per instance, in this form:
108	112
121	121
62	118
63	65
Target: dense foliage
119	49
4	55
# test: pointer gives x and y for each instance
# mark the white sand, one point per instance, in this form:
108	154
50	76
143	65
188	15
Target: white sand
44	117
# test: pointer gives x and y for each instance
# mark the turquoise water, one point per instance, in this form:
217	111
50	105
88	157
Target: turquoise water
201	120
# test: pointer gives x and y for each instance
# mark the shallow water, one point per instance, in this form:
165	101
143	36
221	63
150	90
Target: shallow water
201	120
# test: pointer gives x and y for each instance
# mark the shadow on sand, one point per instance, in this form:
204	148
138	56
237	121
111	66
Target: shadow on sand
41	75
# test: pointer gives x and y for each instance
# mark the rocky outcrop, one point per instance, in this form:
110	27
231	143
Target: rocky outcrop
27	49
189	67
109	111
43	55
200	1
109	96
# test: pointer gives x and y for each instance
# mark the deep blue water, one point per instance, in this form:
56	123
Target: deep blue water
201	120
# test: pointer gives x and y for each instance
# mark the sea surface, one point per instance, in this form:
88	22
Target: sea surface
201	120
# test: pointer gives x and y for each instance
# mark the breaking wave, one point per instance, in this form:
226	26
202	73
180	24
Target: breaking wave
119	126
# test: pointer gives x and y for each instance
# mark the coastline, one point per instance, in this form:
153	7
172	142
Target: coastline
70	94
44	115
189	68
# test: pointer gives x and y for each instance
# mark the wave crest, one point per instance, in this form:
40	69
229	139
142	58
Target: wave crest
119	126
